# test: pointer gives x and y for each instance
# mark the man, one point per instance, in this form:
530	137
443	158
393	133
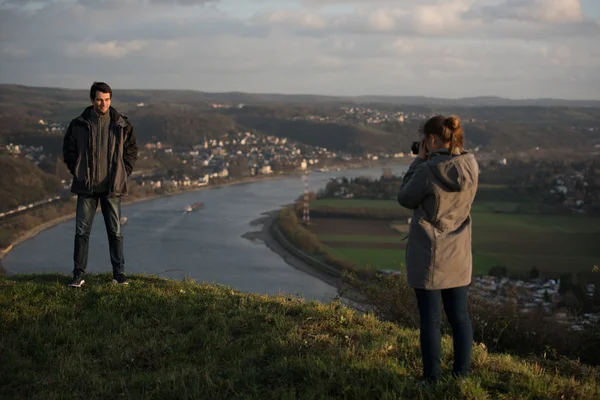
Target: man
100	150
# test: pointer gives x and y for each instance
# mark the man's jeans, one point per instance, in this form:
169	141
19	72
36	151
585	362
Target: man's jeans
430	313
111	211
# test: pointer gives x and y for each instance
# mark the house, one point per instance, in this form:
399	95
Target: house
203	180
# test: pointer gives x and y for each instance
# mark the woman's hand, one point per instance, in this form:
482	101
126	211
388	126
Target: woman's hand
423	151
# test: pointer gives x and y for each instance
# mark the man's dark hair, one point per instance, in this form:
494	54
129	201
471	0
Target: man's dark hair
100	87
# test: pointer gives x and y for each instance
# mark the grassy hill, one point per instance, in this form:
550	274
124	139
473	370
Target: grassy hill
22	182
349	138
160	338
268	98
170	124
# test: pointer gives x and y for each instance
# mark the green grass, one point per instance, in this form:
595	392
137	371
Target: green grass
495	206
554	244
361	238
483	219
483	262
371	259
160	339
341	203
552	266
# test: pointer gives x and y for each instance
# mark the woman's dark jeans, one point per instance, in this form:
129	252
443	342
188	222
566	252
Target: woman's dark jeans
430	313
111	211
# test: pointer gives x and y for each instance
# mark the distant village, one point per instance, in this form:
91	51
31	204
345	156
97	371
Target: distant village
33	153
547	296
369	116
239	155
573	190
569	186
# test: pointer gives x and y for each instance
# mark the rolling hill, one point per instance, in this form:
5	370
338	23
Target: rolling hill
22	182
183	118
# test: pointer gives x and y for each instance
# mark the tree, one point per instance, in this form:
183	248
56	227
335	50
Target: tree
534	273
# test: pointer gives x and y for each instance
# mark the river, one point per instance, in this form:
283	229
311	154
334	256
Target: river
207	245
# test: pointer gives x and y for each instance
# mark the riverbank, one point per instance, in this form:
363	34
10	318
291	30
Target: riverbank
271	236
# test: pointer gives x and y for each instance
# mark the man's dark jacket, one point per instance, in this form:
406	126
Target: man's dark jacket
79	152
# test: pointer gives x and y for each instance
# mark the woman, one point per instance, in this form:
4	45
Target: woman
440	186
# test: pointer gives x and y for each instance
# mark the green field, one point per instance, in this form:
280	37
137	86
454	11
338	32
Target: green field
553	244
360	238
372	259
341	203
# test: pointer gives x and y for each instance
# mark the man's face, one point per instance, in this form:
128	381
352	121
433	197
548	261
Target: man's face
101	102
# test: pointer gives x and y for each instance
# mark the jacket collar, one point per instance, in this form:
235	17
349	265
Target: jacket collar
118	119
446	152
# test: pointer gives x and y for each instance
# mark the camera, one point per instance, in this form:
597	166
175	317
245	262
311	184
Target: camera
415	147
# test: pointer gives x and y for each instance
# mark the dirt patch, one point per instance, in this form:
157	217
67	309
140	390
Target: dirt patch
367	245
348	226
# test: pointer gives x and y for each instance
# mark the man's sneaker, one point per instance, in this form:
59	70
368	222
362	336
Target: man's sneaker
120	280
77	281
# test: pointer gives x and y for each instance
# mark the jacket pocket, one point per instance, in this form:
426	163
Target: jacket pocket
80	170
120	177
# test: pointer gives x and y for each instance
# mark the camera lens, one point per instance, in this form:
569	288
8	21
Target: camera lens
415	147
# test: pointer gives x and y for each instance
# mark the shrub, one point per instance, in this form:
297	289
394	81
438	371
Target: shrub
298	235
389	295
498	271
359	213
341	263
29	222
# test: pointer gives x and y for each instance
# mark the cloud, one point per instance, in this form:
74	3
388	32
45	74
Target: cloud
380	20
302	20
18	3
527	19
553	11
515	48
183	2
13	51
111	49
142	3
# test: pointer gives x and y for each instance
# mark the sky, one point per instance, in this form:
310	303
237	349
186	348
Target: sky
438	48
